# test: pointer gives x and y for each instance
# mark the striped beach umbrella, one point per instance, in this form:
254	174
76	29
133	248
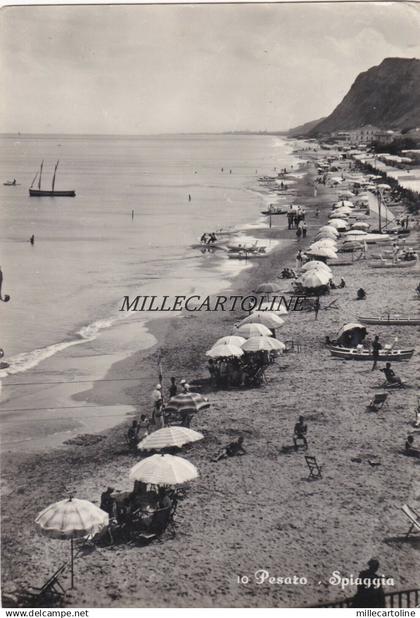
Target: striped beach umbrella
72	519
168	437
315	278
252	330
230	340
267	318
315	265
273	307
267	288
163	470
187	402
263	344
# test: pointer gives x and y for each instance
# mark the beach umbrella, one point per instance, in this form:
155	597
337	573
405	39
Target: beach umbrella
263	344
325	252
325	242
169	437
384	186
329	228
252	330
315	278
230	340
336	180
268	306
163	470
343	210
267	288
315	265
225	350
269	319
71	519
338	215
346	193
339	224
360	225
187	402
326	234
354	232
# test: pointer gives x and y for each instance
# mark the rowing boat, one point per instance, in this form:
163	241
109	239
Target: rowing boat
391	321
366	355
400	264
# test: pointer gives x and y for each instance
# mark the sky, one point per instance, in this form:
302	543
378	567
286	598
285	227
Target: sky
190	68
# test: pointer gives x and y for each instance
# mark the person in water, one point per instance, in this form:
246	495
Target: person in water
32	240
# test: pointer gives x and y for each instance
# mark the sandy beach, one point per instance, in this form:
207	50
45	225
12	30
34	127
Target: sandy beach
258	511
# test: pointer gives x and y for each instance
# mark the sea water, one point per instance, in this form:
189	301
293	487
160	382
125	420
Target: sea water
130	230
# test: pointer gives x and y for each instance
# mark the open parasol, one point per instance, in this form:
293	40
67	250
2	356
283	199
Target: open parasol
252	330
164	470
266	344
225	350
169	437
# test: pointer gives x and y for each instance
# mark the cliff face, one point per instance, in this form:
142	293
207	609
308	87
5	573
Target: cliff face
386	96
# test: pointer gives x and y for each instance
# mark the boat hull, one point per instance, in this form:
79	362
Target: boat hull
43	193
408	264
391	321
366	355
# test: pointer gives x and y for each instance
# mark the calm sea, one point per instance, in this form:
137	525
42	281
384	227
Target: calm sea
62	329
88	251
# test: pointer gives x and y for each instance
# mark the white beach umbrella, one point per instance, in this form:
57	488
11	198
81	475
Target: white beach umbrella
354	232
260	344
169	437
72	518
325	252
326	234
338	215
329	228
339	224
273	307
360	225
163	470
325	242
230	340
315	278
344	204
346	193
224	350
252	330
316	265
268	318
384	186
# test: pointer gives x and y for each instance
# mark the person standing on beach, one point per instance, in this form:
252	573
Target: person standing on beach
299	233
189	197
157	402
317	212
376	346
304	229
299	259
317	307
369	592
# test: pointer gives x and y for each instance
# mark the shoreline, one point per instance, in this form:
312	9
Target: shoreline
255	506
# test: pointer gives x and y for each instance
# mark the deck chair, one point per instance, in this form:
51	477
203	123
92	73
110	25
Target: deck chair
315	470
378	402
300	442
51	591
414	518
292	346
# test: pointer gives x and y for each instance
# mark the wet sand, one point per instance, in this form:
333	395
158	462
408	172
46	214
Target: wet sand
253	512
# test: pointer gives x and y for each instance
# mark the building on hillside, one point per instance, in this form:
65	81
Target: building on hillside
364	135
386	137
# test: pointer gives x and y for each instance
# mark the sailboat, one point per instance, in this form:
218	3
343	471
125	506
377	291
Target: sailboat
45	192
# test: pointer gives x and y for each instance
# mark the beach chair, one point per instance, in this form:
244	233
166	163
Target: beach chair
378	402
300	442
51	591
292	346
414	518
315	470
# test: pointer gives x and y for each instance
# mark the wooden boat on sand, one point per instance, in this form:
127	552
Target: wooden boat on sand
362	354
391	320
399	264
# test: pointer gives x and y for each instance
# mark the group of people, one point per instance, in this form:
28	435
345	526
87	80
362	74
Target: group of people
225	372
208	239
296	218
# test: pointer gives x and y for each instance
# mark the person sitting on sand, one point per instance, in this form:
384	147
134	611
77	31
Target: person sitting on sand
133	434
390	375
232	449
108	502
361	294
185	388
203	238
410	449
173	389
342	283
300	431
143	426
